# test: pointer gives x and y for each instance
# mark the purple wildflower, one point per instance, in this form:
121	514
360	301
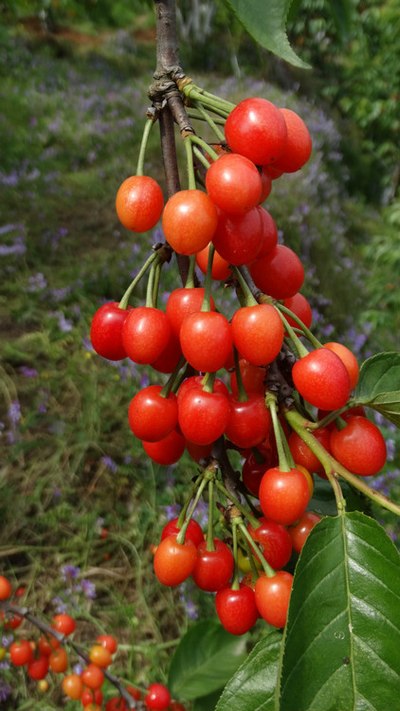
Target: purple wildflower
109	464
14	413
88	589
28	372
70	572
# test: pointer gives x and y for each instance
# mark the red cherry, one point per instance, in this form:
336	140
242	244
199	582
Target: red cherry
272	597
203	416
253	470
299	532
193	531
257	333
151	415
249	422
173	561
301	308
359	446
322	379
239	238
301	452
269	233
5	588
21	652
139	203
236	609
348	359
108	642
213	569
274	540
92	676
233	184
298	145
284	495
181	303
196	381
167	450
189	221
253	378
145	334
279	273
266	183
38	668
106	331
169	357
256	129
206	340
220	270
63	623
157	697
198	451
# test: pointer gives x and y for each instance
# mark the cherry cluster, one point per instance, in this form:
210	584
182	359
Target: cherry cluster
246	383
50	653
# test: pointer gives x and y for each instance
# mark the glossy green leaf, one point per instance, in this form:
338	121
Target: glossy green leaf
253	686
207	703
265	21
379	385
204	660
342	640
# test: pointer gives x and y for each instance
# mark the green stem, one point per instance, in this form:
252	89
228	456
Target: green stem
204	145
143	145
270	401
156	283
331	417
235	583
205	478
269	572
309	334
182	515
207	382
169	385
206	305
150	286
252	519
189	284
210	100
125	299
249	298
210	527
206	116
199	155
252	559
299	347
190	165
242	395
195	114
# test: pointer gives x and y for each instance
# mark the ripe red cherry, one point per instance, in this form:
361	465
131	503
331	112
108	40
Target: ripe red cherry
253	378
256	129
206	340
157	697
38	668
198	451
359	446
106	331
322	379
169	357
58	660
213	569
279	273
151	415
301	452
274	540
139	203
92	676
167	450
283	495
196	382
189	221
5	588
72	686
108	642
239	238
63	623
95	696
266	183
298	145
301	308
233	184
181	303
21	652
272	597
249	422
236	609
145	334
257	333
348	359
269	233
203	416
254	470
193	531
173	561
220	270
299	532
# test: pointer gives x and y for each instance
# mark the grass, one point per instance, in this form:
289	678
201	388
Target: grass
70	468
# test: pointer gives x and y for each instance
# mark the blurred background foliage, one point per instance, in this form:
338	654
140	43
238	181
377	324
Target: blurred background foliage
75	489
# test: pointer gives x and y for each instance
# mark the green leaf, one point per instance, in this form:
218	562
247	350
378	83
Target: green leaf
253	686
323	500
379	385
207	703
204	660
265	21
342	638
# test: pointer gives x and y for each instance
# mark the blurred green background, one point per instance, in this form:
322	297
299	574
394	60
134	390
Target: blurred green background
80	507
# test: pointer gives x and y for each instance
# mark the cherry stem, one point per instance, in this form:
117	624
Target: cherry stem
206	475
331	417
235	583
189	284
252	559
206	305
204	145
201	157
207	382
252	519
309	334
195	114
270	401
143	145
150	286
210	527
250	300
190	164
8	607
125	299
212	102
206	116
242	395
173	378
183	513
299	347
156	283
269	572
